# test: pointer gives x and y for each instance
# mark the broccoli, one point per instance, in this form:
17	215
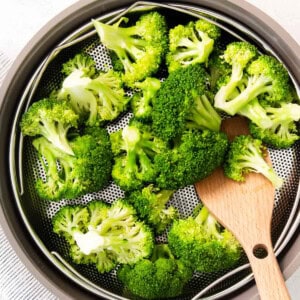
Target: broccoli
283	132
193	157
134	149
161	276
104	234
111	98
183	102
51	119
95	212
202	243
150	204
265	78
88	170
245	155
238	55
141	102
95	97
79	72
140	47
191	43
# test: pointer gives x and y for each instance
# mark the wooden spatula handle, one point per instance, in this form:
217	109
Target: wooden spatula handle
268	277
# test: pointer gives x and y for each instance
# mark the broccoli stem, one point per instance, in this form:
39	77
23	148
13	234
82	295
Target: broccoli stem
254	162
256	113
144	161
163	196
207	221
161	251
236	77
122	41
256	86
56	133
285	114
203	115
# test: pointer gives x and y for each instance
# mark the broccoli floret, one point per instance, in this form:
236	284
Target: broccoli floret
94	97
88	170
268	79
135	147
201	243
69	219
94	213
140	47
246	155
81	63
111	98
193	157
161	276
141	102
191	43
51	119
98	211
238	55
283	132
151	205
265	78
79	72
104	235
182	102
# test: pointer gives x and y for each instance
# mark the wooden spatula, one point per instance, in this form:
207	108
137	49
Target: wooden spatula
246	210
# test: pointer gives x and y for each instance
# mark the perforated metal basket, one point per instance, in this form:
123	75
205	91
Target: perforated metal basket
24	168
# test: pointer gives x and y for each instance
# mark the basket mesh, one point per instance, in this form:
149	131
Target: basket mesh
40	211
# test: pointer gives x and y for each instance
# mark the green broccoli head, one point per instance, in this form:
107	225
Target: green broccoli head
195	156
135	147
141	102
283	132
140	47
246	155
93	158
51	119
201	243
264	78
88	170
103	234
80	71
182	102
191	43
268	79
70	219
96	98
237	55
161	276
110	95
151	205
82	63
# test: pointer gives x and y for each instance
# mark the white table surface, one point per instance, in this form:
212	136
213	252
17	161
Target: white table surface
19	21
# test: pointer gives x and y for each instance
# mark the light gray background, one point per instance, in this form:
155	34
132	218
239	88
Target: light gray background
19	21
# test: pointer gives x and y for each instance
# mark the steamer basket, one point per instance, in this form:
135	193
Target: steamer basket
37	72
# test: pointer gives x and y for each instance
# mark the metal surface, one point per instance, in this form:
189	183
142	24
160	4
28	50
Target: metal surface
36	213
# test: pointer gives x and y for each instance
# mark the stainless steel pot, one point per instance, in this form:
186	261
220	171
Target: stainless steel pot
25	219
